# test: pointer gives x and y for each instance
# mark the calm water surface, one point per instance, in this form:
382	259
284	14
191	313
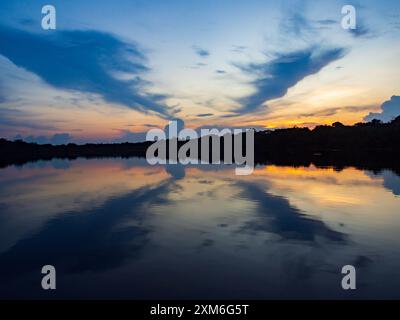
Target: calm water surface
119	228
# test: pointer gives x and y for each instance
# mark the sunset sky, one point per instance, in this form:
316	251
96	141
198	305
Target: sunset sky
112	70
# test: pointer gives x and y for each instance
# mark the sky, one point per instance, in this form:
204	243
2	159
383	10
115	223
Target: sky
112	70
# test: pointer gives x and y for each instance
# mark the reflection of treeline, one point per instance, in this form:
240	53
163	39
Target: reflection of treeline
371	145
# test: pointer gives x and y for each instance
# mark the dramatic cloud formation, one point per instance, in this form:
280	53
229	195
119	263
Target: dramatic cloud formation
275	77
86	61
390	110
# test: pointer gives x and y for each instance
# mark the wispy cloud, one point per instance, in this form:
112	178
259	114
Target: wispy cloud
333	111
275	77
201	52
360	31
86	61
203	115
238	49
296	25
14	118
326	22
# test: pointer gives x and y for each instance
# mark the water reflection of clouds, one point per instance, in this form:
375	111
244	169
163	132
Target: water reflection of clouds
391	181
276	215
101	238
32	195
100	216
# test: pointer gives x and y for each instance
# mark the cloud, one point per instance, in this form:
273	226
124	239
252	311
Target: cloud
56	139
198	65
390	110
14	118
128	136
180	125
275	77
359	31
28	22
326	22
220	71
60	138
238	49
203	53
296	24
148	125
86	61
333	111
201	115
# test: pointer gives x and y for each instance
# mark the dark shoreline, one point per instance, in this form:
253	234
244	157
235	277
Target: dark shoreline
373	146
374	160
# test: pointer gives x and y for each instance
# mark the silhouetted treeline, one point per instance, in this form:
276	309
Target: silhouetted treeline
373	145
373	136
20	152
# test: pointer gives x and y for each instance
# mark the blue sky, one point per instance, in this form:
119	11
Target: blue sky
113	69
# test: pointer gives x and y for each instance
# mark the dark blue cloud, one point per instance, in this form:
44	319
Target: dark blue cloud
201	52
149	125
275	77
128	136
390	110
56	139
360	31
202	115
180	125
60	138
84	61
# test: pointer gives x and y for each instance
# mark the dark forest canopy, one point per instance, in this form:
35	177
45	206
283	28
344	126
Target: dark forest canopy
374	135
